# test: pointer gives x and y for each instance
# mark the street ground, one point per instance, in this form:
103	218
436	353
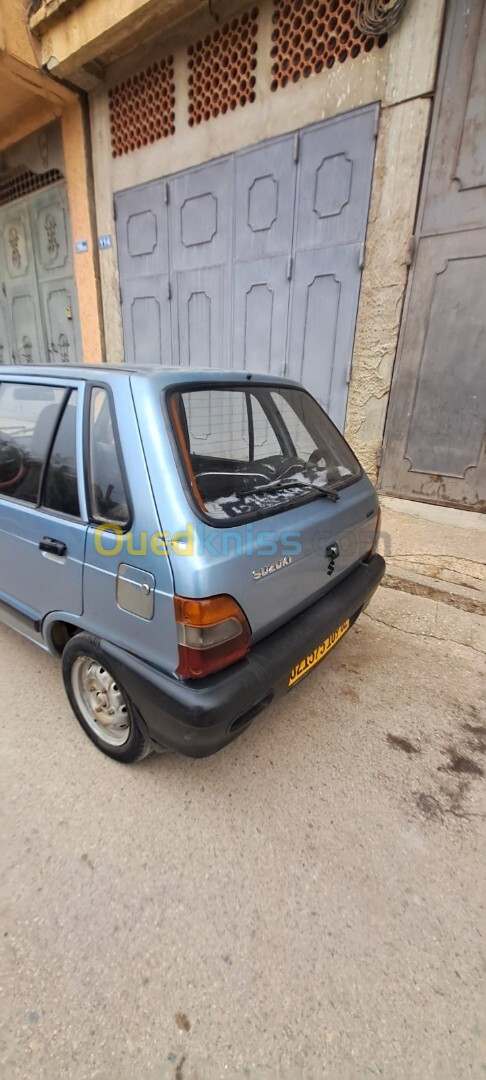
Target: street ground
306	903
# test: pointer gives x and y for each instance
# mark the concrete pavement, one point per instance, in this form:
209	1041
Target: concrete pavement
307	903
435	551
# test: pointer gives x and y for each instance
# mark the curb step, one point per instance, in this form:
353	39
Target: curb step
445	592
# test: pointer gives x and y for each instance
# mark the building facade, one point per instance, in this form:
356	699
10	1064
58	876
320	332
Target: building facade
44	199
283	187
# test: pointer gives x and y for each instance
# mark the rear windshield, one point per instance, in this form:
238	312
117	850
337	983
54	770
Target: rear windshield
248	452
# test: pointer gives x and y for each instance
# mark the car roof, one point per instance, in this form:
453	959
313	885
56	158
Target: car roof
162	376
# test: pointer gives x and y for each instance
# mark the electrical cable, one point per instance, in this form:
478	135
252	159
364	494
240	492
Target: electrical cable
377	17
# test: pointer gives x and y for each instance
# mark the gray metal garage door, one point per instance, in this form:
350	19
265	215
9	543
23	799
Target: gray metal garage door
253	261
435	446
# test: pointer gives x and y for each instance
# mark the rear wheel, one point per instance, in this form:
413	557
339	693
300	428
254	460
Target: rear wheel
99	702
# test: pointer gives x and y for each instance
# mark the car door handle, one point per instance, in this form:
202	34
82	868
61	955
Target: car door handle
54	547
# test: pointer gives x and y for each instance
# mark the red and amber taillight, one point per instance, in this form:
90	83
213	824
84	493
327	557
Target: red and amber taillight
211	634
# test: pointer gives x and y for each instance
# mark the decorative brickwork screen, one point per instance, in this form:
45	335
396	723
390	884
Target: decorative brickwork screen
309	35
23	183
142	108
221	68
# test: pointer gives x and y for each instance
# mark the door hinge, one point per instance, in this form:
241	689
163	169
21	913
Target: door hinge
121	294
296	146
166	192
115	213
377	123
361	260
290	263
169	290
379	456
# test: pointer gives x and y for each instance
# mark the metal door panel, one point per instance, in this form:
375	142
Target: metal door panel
20	286
324	307
261	302
436	443
28	338
264	199
237	229
30	577
336	165
36	249
18	257
456	179
201	215
142	231
147	321
51	234
434	438
36	580
59	302
202	318
201	212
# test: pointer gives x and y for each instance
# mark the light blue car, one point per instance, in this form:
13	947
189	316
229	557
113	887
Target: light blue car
190	543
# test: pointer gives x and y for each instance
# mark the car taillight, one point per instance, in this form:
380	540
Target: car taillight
376	538
211	634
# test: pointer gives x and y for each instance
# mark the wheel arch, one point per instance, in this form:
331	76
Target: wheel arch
57	631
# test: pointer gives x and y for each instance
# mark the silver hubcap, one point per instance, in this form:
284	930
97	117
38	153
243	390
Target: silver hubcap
100	701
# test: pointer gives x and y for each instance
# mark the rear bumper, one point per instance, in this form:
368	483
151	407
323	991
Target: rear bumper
198	718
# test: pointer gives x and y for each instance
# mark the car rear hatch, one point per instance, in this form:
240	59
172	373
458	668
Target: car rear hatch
283	509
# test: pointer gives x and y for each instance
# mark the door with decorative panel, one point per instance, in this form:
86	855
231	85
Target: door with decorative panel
142	232
23	341
39	319
51	236
435	438
263	257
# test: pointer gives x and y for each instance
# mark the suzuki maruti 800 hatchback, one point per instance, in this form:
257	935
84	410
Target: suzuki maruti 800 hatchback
190	543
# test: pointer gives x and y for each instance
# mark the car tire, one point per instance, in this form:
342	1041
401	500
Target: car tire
100	703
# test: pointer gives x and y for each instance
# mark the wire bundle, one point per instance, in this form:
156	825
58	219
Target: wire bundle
378	16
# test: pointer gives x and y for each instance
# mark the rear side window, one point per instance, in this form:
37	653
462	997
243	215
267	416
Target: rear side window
28	415
250	451
108	494
61	481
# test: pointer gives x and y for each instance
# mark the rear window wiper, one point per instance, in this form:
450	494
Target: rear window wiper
322	489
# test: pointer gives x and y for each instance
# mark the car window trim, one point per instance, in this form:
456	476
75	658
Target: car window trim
100	385
47	457
70	390
251	426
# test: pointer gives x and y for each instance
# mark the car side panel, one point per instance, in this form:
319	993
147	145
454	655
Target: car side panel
153	639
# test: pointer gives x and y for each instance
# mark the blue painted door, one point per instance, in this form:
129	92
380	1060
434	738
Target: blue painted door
34	582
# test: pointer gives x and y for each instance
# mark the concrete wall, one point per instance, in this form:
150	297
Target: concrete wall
86	266
396	181
28	99
401	76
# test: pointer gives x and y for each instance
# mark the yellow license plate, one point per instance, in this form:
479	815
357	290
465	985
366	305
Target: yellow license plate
317	655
